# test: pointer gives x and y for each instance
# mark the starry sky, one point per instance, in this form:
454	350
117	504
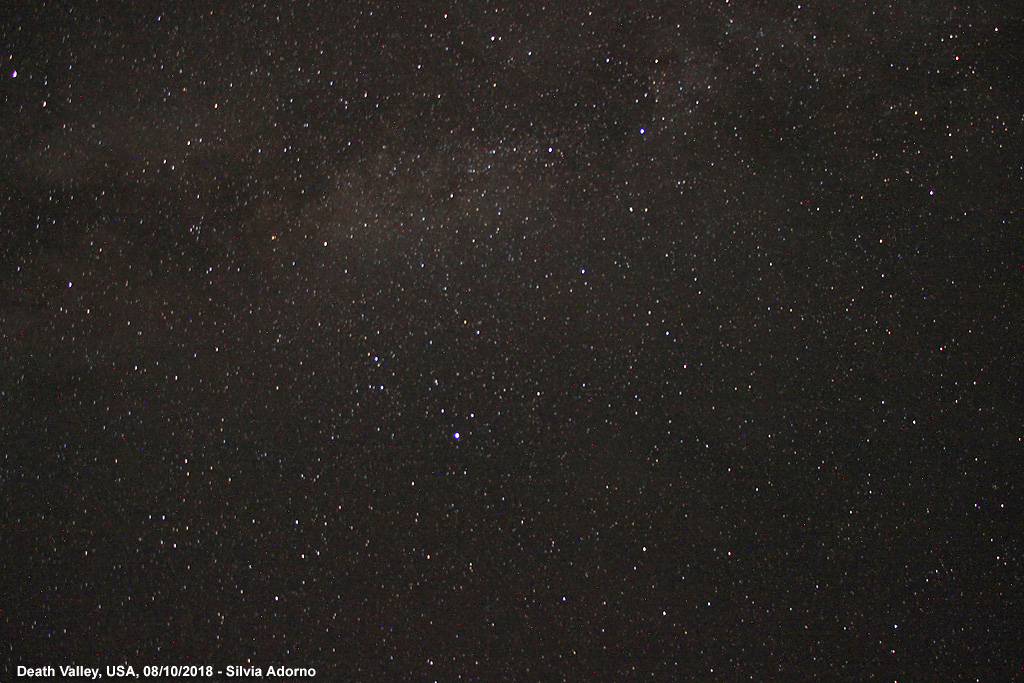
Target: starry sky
514	342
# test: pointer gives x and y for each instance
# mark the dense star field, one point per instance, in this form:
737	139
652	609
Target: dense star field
616	341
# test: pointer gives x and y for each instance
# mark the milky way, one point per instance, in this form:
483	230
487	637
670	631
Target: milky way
620	341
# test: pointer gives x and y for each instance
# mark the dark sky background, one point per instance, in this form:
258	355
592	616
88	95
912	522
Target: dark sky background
581	341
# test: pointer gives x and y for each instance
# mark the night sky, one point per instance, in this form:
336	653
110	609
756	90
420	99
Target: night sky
597	341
